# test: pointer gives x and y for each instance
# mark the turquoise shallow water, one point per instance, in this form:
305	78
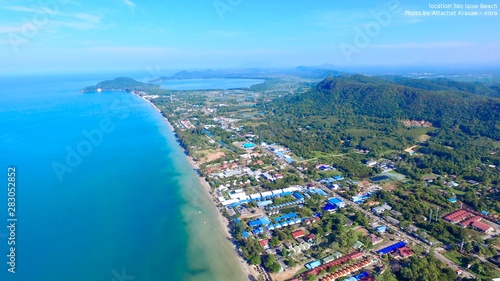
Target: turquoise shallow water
128	207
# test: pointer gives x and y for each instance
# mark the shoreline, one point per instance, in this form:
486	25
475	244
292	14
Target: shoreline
248	270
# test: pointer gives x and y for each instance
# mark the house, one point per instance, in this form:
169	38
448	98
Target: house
481	226
358	245
381	229
264	243
391	220
403	252
313	264
309	238
381	209
375	239
336	202
298	234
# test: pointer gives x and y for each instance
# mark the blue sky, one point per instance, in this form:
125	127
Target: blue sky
73	35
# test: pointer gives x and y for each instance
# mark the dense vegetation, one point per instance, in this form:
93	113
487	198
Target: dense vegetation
123	84
364	112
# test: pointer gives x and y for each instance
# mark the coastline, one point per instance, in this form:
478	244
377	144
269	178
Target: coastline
248	270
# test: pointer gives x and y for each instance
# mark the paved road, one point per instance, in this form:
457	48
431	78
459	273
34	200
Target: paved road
369	214
450	264
377	219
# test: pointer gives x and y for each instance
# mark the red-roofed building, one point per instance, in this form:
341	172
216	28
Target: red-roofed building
264	243
310	238
404	252
298	233
356	255
481	226
279	176
457	216
471	220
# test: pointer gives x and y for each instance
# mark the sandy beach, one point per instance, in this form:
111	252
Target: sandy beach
248	269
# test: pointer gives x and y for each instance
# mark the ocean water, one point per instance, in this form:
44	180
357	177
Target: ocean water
103	190
209	84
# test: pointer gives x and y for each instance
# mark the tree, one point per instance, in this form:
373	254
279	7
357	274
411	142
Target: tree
271	264
386	276
274	242
311	277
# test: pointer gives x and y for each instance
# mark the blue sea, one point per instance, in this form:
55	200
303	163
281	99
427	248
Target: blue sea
103	190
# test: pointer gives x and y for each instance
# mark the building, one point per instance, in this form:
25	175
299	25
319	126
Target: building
313	264
248	145
336	202
457	216
298	233
481	226
403	252
391	220
375	239
470	221
381	229
357	245
381	209
264	243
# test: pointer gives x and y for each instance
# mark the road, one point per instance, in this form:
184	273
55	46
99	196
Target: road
374	218
450	264
370	215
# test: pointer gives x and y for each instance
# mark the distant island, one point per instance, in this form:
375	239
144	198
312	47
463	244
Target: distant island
121	84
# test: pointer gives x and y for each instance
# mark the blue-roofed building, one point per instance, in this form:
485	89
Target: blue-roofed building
485	212
452	200
329	207
352	278
264	221
298	195
338	178
362	275
254	223
336	202
236	220
264	203
318	191
245	234
391	248
313	264
381	229
248	145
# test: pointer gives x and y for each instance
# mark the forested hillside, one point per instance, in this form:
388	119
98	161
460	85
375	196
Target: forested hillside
363	112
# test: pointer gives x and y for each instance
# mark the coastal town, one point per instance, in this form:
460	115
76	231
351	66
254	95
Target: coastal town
341	216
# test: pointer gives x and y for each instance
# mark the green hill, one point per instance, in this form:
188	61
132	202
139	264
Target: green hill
121	84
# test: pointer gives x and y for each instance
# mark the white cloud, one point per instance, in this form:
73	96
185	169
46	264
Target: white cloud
129	3
55	19
44	10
